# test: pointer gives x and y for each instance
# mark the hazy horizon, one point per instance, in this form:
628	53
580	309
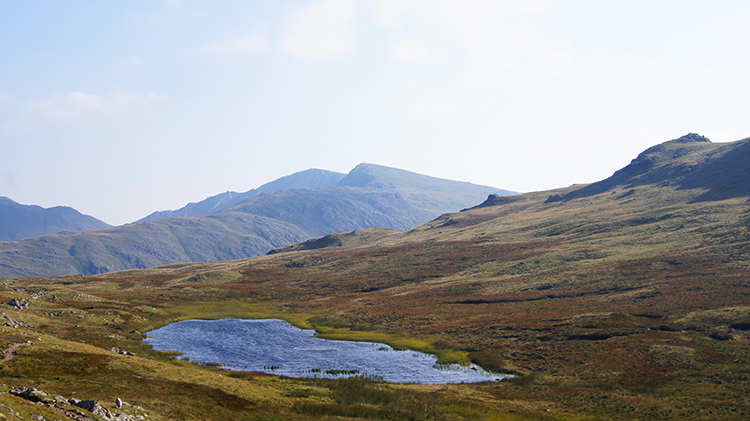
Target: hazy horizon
122	109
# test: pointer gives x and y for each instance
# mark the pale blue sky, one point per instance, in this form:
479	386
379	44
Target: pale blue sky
119	109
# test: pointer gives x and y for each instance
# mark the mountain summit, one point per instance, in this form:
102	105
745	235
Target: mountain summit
432	195
722	170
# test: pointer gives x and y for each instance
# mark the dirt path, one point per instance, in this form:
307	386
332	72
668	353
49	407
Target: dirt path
11	352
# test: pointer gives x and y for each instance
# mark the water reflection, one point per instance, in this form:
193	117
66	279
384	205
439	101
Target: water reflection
274	346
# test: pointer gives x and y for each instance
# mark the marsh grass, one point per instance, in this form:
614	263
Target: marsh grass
491	360
366	397
395	340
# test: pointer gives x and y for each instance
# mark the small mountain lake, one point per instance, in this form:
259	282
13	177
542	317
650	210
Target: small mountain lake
276	347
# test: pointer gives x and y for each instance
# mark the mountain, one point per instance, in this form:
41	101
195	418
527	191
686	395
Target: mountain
25	221
722	170
431	195
687	186
632	290
619	300
309	179
369	196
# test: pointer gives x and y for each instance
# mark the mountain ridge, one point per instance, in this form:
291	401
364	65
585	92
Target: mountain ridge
308	179
249	228
19	221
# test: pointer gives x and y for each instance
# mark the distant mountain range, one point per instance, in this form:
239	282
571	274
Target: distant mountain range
289	210
19	221
309	179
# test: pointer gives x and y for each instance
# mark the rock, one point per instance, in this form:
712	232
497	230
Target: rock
96	409
496	200
7	408
21	305
88	404
693	137
31	394
120	351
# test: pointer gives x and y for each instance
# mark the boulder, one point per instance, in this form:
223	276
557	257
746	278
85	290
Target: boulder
21	305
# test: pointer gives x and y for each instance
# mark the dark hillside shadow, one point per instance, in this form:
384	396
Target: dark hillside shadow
725	177
723	169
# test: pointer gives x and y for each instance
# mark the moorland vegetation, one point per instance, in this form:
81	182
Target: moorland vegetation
623	299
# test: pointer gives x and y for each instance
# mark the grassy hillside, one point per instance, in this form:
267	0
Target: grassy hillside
629	303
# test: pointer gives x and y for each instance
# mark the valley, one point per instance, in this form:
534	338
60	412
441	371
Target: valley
626	299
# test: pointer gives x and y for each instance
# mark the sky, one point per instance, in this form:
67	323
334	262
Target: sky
119	109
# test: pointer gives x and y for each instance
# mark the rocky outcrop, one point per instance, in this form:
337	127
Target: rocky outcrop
120	351
692	137
72	407
95	408
19	304
496	200
12	323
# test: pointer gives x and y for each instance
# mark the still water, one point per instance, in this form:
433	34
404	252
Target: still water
276	347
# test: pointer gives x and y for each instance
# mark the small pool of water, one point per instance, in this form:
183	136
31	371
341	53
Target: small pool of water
276	347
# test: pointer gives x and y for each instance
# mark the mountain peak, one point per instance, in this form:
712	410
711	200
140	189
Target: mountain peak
689	162
19	221
692	137
371	175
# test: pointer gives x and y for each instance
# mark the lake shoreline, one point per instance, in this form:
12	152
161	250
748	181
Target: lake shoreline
276	347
